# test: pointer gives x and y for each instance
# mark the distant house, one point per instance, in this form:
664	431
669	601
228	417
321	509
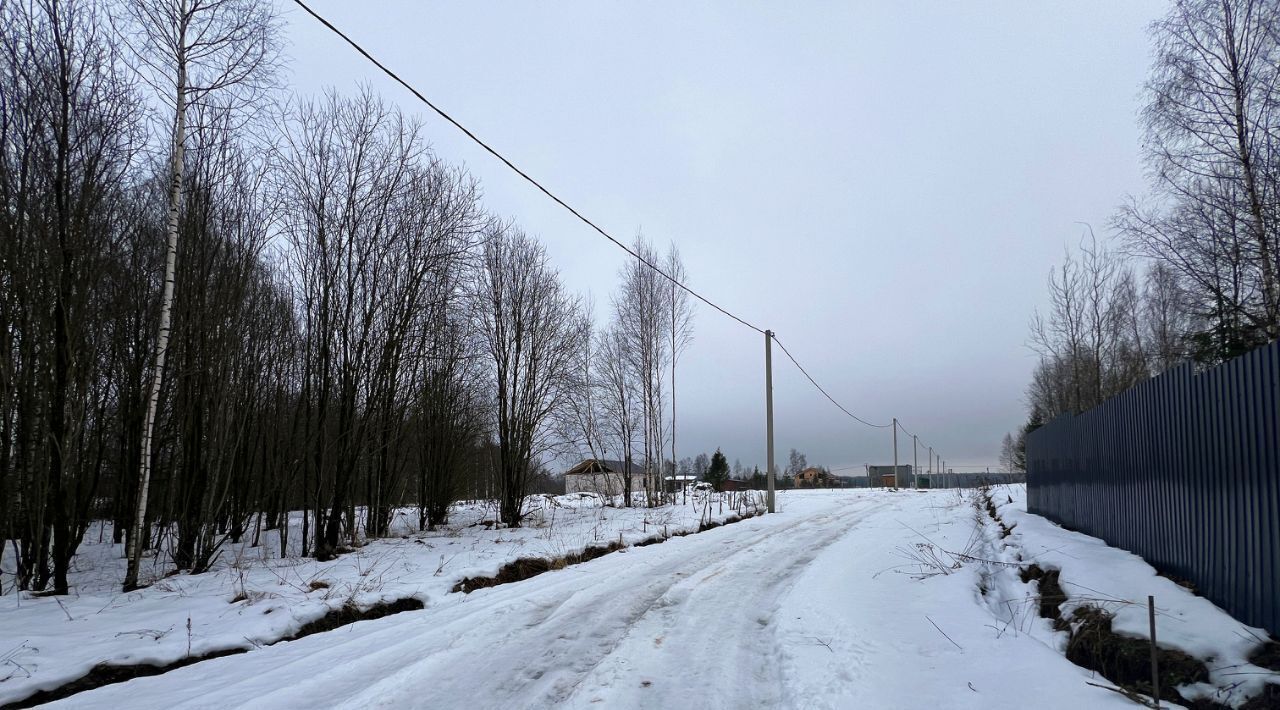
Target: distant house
603	476
814	478
889	478
675	483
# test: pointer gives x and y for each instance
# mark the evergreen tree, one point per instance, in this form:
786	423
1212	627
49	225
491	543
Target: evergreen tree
718	472
1020	444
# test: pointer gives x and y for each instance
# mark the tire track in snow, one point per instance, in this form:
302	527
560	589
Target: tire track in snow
532	670
571	637
724	627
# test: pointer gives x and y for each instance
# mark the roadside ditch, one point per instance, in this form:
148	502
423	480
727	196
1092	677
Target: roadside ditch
527	567
1121	659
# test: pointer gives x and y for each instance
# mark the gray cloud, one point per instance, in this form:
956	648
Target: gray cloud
886	186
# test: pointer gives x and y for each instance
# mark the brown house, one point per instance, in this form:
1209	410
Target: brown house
814	478
889	477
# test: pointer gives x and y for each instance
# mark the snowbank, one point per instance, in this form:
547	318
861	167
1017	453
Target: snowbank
1095	574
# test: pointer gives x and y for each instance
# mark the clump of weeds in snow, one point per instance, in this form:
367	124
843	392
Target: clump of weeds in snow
372	572
928	559
662	517
547	522
562	544
17	661
154	634
599	526
443	562
452	531
252	596
924	560
169	588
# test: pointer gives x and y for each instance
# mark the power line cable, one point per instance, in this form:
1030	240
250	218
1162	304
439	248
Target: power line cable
511	165
417	94
842	468
824	392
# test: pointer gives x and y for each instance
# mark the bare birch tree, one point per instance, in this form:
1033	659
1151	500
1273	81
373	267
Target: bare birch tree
640	310
617	400
1091	341
680	321
194	51
1213	148
580	423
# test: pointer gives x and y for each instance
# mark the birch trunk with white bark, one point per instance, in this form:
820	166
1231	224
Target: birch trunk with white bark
162	340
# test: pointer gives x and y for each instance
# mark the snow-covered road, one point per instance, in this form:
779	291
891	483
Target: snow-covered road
798	609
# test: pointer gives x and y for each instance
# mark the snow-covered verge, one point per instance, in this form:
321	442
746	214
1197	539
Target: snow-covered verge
905	613
926	606
255	597
820	606
1093	574
874	599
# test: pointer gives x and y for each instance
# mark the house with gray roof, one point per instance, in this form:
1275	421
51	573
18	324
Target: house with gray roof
603	476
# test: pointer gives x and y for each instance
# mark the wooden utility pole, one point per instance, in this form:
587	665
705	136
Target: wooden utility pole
895	453
915	461
768	413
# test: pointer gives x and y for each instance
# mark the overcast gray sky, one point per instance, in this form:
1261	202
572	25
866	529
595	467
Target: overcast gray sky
884	184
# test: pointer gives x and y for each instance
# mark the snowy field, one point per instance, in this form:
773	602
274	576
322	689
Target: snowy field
255	597
845	599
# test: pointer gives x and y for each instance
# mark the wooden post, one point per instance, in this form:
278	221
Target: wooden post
1155	656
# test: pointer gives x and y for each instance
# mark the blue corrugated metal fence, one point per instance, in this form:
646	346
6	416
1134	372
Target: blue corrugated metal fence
1184	470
